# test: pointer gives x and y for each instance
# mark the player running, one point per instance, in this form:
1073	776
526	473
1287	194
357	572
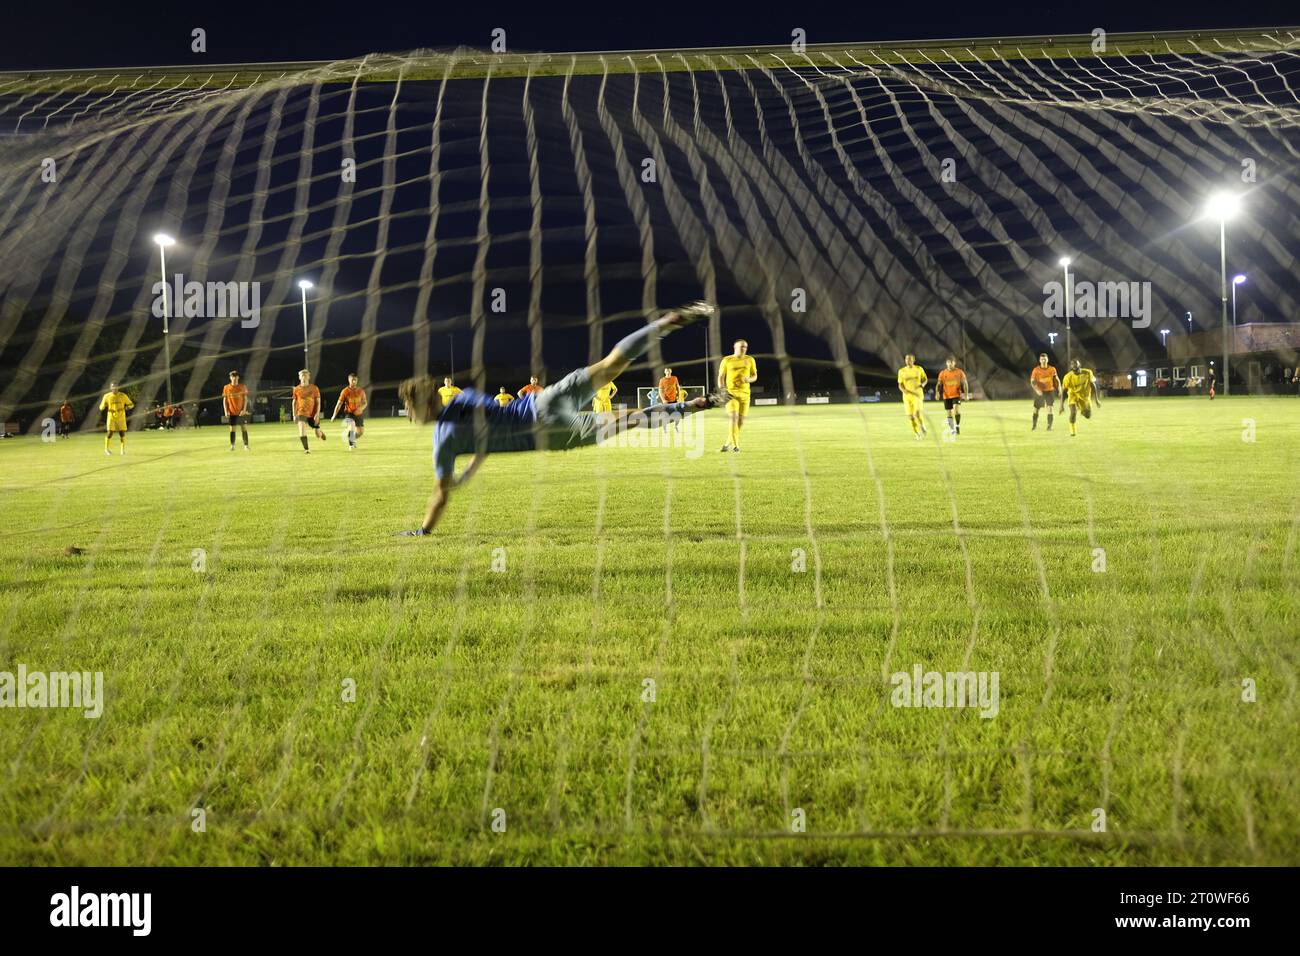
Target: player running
911	382
306	408
234	399
115	404
1080	385
736	373
353	402
502	397
954	390
473	423
531	387
1045	384
66	416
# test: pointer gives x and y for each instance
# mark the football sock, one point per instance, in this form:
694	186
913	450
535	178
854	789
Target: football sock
1049	419
107	438
959	422
1074	428
303	439
633	346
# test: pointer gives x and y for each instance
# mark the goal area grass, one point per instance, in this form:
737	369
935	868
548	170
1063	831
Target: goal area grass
664	655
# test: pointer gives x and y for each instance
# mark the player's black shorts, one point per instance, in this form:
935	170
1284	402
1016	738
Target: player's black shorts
1044	398
311	422
357	418
238	420
950	403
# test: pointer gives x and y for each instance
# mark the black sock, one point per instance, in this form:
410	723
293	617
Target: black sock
958	421
232	438
303	439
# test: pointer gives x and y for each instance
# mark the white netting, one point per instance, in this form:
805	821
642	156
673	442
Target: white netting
522	203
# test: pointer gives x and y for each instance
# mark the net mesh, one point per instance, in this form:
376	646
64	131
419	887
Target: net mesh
519	206
859	204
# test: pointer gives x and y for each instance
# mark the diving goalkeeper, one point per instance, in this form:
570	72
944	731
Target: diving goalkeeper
472	423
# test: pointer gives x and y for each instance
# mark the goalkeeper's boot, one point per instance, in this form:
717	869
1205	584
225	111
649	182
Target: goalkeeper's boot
689	314
717	398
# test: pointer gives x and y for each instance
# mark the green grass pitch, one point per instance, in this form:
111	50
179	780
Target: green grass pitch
501	710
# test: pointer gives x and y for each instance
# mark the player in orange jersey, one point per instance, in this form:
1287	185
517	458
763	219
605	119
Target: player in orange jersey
234	400
954	390
531	387
1046	385
353	402
306	408
66	415
670	390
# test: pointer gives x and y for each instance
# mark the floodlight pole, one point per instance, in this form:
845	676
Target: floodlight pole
305	364
1223	292
167	348
1069	354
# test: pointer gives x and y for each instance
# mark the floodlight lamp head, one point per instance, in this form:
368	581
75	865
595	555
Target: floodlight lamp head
1223	206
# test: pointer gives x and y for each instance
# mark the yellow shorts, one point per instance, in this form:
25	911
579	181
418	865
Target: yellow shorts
598	406
1082	402
116	423
739	405
911	404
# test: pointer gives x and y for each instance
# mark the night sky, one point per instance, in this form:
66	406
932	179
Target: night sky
59	35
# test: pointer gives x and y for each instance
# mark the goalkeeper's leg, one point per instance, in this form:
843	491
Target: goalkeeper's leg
632	347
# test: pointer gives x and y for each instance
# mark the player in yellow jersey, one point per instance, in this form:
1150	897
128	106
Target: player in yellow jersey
603	403
911	382
448	391
1080	387
736	373
114	405
502	397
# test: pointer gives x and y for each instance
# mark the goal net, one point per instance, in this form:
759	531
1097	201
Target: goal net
848	203
696	651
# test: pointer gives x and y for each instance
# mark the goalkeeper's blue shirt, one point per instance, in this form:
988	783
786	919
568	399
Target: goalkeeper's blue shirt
473	422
